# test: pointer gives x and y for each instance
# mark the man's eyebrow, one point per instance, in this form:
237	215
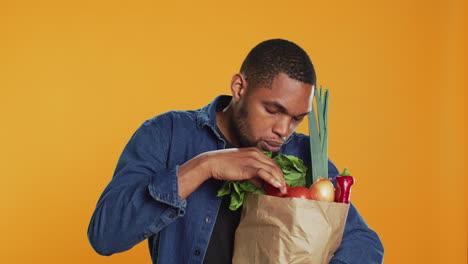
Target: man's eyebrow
284	109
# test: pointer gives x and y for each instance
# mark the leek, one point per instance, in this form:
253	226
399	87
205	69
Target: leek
318	133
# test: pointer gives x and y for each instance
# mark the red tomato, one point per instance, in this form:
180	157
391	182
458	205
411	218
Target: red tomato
273	191
299	192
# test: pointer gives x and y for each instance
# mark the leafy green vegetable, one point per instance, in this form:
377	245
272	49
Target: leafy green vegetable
294	174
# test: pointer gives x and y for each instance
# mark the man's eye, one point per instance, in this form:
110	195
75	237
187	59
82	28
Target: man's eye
269	110
298	119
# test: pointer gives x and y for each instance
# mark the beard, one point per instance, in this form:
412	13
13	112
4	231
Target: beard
242	129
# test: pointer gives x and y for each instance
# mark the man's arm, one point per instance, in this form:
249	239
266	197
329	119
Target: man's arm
360	244
145	196
142	196
230	165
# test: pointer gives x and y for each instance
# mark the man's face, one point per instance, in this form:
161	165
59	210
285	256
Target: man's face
266	117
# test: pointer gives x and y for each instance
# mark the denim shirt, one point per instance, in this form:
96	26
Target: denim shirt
142	200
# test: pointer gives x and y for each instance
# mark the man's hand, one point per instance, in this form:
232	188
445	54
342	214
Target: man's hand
230	165
245	164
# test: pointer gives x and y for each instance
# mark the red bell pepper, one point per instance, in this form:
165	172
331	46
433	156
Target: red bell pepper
343	187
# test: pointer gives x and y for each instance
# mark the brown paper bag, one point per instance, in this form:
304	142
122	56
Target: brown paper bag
288	230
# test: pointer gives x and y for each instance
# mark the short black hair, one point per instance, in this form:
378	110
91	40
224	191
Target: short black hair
271	57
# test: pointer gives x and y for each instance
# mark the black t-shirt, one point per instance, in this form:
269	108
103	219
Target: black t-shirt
221	246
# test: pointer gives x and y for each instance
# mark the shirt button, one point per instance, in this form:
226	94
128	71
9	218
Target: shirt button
208	220
197	252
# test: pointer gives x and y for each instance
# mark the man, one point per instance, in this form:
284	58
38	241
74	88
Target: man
165	183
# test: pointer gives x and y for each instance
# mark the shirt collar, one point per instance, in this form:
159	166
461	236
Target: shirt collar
207	115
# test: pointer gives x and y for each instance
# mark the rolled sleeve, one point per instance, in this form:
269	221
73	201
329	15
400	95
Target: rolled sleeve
167	192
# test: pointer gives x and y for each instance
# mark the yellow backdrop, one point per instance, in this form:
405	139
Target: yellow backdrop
77	78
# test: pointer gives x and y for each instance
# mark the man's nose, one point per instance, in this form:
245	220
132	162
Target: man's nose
283	126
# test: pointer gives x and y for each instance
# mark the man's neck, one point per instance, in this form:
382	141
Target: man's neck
224	121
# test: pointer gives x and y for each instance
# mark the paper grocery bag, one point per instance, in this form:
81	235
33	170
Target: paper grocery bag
288	230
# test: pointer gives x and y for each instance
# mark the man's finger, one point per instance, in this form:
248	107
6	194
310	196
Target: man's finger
270	165
270	161
257	182
268	177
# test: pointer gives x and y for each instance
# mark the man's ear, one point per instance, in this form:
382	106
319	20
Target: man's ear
238	87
